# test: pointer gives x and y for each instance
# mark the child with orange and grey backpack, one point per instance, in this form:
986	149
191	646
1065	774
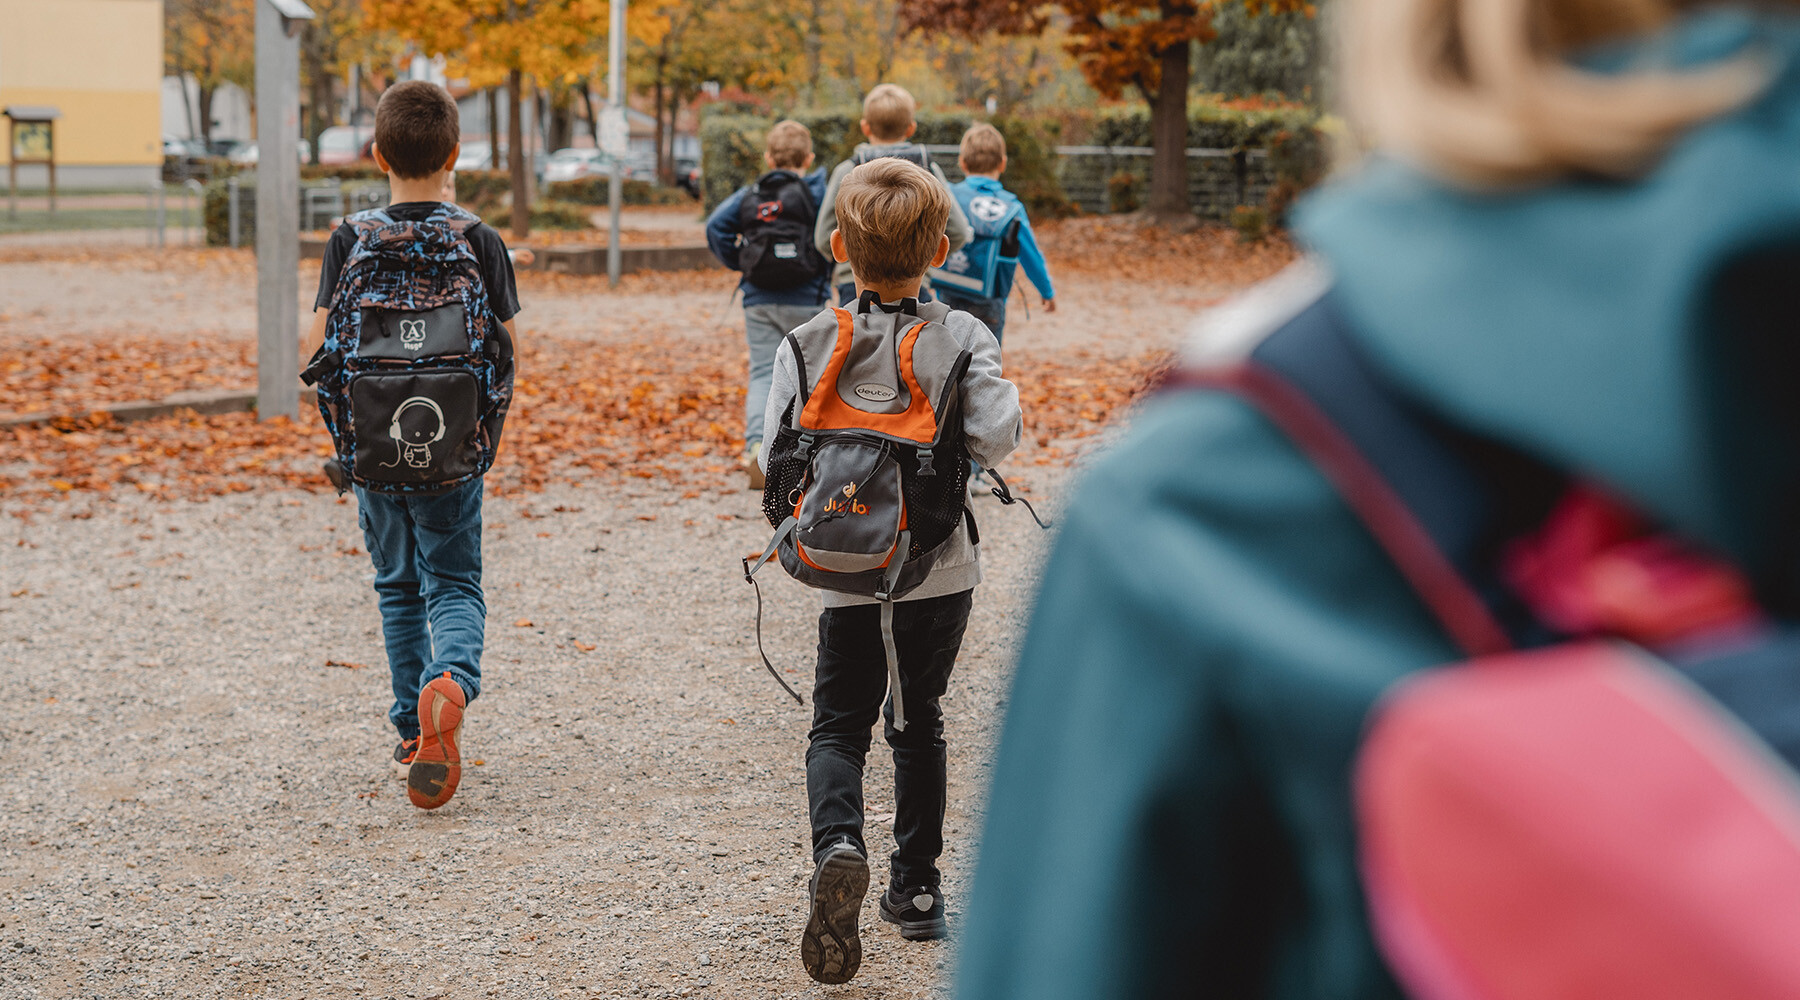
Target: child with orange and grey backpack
876	410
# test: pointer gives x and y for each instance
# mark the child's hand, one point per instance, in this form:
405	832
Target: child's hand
523	257
1049	305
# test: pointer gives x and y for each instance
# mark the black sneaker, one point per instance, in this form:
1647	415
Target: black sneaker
919	911
830	948
403	756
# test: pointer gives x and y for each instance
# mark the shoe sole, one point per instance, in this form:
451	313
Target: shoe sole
758	479
432	780
402	770
916	930
831	950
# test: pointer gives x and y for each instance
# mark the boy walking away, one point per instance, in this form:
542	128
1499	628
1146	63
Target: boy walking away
978	278
414	372
876	410
765	231
888	124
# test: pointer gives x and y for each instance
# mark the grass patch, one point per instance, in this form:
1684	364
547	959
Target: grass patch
73	219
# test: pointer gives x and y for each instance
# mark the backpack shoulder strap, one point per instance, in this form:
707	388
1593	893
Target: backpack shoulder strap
1423	497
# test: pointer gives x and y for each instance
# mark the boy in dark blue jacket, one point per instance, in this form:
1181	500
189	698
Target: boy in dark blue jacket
978	278
765	232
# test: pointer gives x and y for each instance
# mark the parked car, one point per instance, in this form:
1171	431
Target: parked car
245	155
341	144
477	156
573	164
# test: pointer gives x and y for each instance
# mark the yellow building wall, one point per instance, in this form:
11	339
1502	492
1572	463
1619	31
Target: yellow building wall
100	63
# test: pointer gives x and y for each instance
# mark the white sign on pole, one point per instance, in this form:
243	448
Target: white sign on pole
615	132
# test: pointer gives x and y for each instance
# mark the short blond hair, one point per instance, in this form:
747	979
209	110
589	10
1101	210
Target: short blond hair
788	144
889	110
983	149
891	213
1482	92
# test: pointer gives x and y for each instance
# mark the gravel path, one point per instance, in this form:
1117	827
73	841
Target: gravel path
198	804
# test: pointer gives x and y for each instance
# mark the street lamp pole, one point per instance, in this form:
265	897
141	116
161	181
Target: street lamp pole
615	99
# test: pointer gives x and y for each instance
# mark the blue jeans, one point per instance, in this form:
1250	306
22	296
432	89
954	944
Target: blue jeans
989	311
765	326
427	555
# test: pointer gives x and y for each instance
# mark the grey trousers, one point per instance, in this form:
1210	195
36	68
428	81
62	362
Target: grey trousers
764	328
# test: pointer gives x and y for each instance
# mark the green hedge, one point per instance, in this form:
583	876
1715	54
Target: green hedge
216	208
548	215
595	191
732	150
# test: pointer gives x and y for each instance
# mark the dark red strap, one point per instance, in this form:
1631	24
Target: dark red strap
1450	597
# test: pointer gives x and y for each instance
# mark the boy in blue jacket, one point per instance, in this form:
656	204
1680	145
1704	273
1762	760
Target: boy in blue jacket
978	278
765	232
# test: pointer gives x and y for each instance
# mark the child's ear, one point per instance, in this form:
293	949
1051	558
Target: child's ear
804	167
1001	169
769	160
960	165
455	153
910	129
943	252
381	162
864	122
840	252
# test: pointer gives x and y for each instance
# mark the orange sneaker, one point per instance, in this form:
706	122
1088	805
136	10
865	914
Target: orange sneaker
437	764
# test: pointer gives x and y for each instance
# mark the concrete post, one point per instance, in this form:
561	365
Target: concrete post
234	217
278	207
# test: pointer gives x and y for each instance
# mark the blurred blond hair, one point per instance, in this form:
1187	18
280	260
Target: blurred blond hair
983	149
891	213
888	111
1481	92
788	144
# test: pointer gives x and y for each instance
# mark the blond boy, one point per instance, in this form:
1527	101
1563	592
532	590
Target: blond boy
888	124
891	217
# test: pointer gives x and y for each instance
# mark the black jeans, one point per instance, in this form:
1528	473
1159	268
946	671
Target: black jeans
850	688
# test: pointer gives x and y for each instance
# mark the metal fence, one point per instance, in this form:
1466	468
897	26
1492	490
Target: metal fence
1219	180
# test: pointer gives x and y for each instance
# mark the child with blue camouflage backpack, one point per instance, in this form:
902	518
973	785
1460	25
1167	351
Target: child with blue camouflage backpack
978	278
414	368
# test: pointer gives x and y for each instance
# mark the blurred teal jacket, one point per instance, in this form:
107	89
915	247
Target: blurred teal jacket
1171	811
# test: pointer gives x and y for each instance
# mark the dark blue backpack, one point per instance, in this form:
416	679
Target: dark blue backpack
975	270
415	375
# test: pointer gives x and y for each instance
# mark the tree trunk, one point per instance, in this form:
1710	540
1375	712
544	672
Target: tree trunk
562	119
587	104
515	157
1168	201
493	116
815	47
319	81
662	166
206	98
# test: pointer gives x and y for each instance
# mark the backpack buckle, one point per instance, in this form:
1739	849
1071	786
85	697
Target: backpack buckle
925	463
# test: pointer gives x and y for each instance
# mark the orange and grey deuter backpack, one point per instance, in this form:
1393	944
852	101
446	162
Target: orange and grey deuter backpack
866	473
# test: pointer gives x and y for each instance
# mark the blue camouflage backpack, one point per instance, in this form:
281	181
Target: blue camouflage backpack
415	375
975	268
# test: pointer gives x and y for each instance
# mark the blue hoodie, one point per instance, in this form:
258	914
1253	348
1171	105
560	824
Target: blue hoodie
722	229
1031	258
1171	810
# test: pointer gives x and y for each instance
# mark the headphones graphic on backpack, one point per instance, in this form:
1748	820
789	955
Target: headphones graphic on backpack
415	446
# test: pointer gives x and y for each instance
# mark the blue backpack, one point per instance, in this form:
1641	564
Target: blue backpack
975	270
415	375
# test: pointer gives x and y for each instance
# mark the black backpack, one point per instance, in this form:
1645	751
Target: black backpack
775	223
415	375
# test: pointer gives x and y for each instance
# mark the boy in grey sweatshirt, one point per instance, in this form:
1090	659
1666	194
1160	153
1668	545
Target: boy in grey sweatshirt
888	124
891	217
